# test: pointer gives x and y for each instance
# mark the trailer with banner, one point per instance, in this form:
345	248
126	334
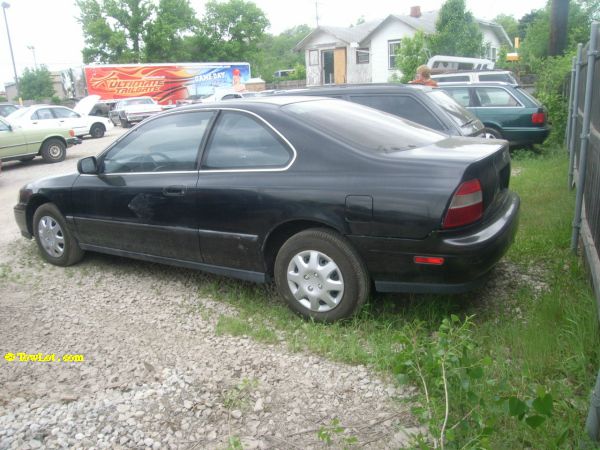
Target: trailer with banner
165	83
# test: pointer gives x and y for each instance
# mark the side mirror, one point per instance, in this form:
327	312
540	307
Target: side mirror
88	166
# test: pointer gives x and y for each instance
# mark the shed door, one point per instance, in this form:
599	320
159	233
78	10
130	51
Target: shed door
339	64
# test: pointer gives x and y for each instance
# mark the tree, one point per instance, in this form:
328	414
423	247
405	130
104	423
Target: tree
413	53
36	84
456	32
232	31
165	37
510	25
114	29
277	52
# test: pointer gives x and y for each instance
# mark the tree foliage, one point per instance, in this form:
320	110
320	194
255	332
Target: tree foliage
456	31
510	25
277	53
413	53
232	31
36	84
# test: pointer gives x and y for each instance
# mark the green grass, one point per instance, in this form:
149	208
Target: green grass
536	332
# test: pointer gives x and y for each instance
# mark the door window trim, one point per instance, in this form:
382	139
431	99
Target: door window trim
204	143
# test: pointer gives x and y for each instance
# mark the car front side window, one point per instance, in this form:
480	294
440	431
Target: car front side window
165	144
239	141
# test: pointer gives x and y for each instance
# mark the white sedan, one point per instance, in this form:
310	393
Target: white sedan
77	119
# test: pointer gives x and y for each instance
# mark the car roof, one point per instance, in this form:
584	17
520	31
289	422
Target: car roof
359	87
250	102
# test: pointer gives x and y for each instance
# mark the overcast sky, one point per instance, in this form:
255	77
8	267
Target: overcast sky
51	28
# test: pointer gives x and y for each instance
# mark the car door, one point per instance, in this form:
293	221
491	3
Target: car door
42	118
12	141
71	120
144	199
241	154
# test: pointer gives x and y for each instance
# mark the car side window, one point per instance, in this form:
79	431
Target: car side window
461	95
400	105
42	114
165	144
239	141
452	78
489	96
64	113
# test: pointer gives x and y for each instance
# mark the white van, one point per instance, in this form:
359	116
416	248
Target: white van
443	63
475	76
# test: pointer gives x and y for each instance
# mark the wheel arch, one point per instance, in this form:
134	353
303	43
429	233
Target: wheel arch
282	232
33	204
58	138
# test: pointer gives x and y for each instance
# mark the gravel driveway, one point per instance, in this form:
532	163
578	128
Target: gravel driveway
155	373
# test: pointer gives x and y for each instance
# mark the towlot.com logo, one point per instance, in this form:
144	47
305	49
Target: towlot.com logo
42	357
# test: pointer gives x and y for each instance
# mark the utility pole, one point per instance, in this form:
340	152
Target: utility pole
317	12
5	6
32	48
559	16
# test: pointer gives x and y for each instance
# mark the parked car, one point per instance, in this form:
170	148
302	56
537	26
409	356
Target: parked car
507	111
424	105
324	196
7	108
24	144
77	119
475	76
131	110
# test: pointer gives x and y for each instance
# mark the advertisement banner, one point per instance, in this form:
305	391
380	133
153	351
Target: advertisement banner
165	83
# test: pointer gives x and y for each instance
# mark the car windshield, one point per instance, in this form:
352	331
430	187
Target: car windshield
139	101
457	113
364	128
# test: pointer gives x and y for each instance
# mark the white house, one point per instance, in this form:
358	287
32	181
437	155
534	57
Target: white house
366	53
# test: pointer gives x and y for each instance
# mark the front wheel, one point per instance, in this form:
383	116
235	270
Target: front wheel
491	133
321	276
54	150
54	240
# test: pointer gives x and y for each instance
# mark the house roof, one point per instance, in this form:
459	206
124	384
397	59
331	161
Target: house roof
363	32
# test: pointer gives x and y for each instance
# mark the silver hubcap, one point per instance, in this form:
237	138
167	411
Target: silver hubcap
489	136
54	151
51	236
315	281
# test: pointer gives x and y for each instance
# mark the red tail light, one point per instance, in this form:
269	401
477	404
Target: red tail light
466	206
71	133
538	118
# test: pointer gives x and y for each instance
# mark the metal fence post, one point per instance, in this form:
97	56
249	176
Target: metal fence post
592	424
574	115
585	134
570	115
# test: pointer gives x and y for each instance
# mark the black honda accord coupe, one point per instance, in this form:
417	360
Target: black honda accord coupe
326	197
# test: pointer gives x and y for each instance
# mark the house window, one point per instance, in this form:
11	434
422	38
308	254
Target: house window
362	55
393	50
313	57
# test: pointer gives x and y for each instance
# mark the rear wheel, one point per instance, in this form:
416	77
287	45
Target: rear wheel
321	276
54	150
97	130
54	240
491	133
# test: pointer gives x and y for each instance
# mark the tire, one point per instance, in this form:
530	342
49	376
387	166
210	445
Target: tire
54	240
54	150
97	131
26	159
125	123
491	133
317	248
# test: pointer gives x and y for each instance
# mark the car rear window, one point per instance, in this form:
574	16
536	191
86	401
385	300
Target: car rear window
529	96
497	77
363	128
457	113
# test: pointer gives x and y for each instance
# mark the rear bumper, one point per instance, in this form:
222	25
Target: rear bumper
530	135
468	255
